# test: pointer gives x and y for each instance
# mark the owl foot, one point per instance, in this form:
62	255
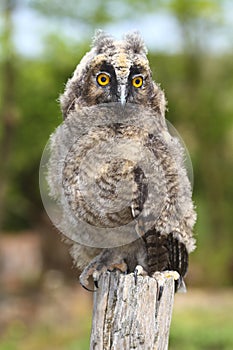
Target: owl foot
139	271
100	264
180	286
161	278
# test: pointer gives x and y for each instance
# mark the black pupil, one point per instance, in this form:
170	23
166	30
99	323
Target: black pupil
137	81
103	79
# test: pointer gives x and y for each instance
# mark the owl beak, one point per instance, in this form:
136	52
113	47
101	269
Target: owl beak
123	95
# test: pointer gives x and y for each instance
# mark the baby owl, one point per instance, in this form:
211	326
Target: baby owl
115	171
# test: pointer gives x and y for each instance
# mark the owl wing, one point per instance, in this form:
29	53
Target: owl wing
168	236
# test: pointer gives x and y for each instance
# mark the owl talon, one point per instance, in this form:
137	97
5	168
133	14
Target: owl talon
84	283
135	276
160	292
100	264
160	279
96	275
83	278
89	290
139	271
96	284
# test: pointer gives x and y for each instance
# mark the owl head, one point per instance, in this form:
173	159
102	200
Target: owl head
113	71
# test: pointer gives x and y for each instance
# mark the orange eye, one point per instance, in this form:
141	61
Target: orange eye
137	81
103	79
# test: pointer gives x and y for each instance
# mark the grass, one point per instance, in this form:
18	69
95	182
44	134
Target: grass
204	323
44	337
201	321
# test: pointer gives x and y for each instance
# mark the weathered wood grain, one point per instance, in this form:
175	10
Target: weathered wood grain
129	316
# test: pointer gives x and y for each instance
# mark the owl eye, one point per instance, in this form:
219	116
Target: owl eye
137	81
103	79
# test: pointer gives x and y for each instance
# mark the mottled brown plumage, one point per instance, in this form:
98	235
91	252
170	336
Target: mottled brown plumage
122	59
114	164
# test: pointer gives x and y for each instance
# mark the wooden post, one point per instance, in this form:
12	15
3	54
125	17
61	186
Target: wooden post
129	316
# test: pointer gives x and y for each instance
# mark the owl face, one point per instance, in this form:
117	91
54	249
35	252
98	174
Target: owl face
117	75
113	71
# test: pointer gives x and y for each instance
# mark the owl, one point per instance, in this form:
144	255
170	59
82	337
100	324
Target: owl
115	171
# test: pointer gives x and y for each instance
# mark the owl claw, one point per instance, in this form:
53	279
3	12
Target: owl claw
160	279
98	266
96	284
85	284
161	276
159	291
139	271
89	290
83	278
96	275
135	276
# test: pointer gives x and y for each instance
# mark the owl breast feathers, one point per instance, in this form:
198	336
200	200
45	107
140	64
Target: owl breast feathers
115	170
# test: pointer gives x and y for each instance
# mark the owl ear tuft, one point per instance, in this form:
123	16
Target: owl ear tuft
135	43
101	41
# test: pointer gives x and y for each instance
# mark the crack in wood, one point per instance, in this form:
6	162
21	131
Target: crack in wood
128	316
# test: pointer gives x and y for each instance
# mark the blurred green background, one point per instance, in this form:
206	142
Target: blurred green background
190	51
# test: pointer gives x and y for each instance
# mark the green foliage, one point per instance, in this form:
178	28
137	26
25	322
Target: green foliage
46	337
38	85
186	10
74	10
207	327
100	12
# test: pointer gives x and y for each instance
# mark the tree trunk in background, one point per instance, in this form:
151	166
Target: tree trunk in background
8	111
